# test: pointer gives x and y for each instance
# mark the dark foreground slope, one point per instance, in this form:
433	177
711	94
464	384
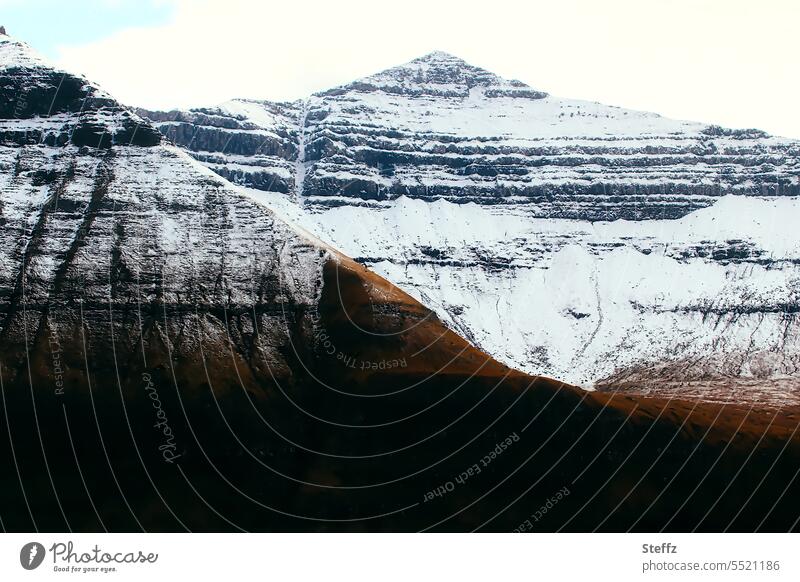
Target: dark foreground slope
448	439
173	358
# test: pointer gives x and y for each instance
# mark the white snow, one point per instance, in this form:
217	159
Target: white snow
16	54
300	164
255	112
578	301
523	119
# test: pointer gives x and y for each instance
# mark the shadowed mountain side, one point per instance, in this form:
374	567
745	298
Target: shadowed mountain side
316	443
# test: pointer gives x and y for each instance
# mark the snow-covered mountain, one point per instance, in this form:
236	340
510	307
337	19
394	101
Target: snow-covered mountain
162	334
174	356
567	238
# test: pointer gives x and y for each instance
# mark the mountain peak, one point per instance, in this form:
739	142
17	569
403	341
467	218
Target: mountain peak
17	54
440	57
33	89
439	74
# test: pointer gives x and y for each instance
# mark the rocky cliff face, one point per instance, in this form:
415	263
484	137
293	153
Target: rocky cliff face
567	238
249	143
97	212
439	128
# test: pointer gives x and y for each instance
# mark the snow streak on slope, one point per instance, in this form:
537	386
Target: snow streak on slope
300	163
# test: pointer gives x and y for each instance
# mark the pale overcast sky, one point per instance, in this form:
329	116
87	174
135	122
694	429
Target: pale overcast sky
731	62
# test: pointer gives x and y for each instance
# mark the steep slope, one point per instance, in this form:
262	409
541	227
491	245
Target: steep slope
173	357
484	198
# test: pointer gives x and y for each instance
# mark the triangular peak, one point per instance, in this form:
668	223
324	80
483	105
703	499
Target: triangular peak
440	57
439	74
17	54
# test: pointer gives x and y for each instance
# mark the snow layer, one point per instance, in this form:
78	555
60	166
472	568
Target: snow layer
581	301
15	54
